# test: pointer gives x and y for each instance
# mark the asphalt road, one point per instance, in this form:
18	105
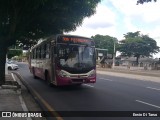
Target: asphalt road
110	93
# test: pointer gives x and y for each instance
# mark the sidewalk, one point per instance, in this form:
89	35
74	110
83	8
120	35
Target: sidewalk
153	73
149	75
14	97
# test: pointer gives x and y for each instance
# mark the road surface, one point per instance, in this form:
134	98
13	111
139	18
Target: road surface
110	93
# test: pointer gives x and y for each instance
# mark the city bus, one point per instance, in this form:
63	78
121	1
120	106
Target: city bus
64	60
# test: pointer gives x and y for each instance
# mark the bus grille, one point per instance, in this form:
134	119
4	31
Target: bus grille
77	80
78	76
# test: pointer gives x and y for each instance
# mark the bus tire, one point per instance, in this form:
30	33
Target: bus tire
80	84
47	78
34	76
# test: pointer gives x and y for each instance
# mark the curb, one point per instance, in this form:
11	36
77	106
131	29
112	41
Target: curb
39	100
130	76
130	72
22	102
11	84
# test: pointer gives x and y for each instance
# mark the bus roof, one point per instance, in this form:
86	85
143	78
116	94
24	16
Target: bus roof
72	36
54	37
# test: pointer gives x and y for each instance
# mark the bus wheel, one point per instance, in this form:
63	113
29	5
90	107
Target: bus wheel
35	77
80	84
47	78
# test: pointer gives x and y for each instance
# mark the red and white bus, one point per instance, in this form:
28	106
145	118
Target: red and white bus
64	60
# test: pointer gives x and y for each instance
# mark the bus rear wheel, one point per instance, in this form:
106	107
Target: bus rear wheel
47	78
80	84
35	77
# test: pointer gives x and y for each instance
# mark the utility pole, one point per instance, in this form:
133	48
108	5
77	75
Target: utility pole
114	50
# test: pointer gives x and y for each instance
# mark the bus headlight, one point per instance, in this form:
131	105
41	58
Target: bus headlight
63	74
92	73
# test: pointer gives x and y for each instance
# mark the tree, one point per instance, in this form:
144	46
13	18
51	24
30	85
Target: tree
14	52
143	1
138	45
25	20
105	42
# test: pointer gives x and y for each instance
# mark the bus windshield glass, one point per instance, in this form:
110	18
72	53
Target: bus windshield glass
76	58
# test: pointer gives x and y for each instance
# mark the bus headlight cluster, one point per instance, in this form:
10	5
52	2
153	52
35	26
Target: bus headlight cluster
63	74
92	73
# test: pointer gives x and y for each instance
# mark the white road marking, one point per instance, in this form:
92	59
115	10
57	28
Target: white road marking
13	77
148	104
24	107
106	79
88	85
153	88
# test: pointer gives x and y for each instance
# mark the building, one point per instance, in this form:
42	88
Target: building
145	62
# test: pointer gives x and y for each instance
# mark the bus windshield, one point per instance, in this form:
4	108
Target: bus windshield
76	58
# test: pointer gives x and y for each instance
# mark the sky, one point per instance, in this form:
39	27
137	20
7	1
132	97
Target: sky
117	17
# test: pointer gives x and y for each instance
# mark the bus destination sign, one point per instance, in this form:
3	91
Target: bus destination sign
74	40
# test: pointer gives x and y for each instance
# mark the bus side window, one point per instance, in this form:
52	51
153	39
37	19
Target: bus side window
47	51
42	50
36	53
32	54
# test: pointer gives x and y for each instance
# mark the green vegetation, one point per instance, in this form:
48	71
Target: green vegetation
144	1
138	45
105	42
27	21
134	44
14	52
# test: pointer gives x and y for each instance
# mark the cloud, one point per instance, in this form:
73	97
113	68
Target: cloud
103	18
97	25
117	17
148	12
88	31
130	27
103	22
